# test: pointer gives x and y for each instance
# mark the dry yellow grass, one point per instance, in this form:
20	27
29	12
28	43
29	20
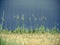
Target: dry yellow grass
32	39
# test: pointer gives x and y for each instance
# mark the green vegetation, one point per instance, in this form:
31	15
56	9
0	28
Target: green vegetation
2	42
22	29
41	29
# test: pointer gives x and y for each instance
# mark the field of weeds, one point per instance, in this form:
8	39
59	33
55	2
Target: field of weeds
22	35
30	39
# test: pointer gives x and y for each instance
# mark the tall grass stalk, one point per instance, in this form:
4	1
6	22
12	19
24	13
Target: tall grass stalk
43	19
17	17
23	23
2	20
42	29
36	26
30	25
54	30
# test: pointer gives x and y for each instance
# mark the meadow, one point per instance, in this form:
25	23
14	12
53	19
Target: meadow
29	39
24	36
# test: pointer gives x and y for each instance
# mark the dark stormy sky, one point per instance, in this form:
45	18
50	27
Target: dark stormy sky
49	9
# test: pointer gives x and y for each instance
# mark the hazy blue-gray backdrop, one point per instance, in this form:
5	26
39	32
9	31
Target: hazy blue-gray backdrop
50	9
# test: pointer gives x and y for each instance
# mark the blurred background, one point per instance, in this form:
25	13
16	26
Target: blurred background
32	13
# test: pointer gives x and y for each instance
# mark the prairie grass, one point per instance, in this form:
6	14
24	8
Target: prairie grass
30	39
23	36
